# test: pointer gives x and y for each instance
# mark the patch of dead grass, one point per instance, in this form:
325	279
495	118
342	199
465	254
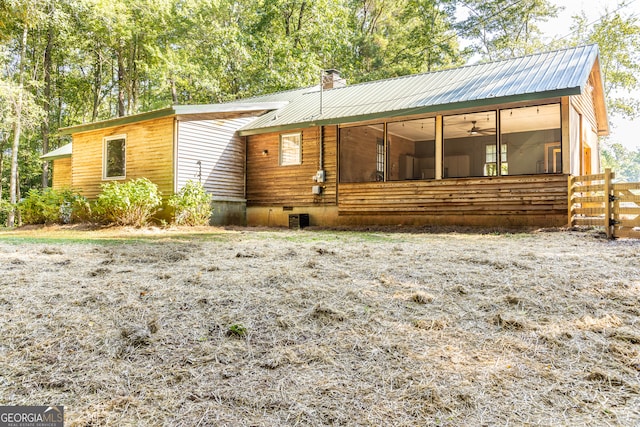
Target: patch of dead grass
403	329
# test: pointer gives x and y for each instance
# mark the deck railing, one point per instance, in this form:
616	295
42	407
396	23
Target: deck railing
595	200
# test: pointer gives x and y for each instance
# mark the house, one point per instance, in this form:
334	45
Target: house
485	145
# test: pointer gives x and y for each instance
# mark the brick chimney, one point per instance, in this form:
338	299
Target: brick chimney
331	79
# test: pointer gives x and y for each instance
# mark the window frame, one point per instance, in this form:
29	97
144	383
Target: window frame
105	143
280	149
491	161
556	169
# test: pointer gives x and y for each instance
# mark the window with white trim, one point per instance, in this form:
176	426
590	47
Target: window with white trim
491	161
291	149
114	157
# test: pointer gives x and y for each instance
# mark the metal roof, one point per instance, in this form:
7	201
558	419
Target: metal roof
60	153
182	110
545	75
528	78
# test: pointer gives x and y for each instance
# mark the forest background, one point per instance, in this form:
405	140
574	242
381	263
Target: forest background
66	62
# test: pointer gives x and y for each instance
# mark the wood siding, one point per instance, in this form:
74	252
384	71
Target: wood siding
149	154
517	200
269	184
61	173
584	104
220	150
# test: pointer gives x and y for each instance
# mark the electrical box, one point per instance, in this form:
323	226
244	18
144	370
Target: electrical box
316	189
320	176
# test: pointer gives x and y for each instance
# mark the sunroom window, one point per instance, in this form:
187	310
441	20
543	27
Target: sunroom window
412	149
533	136
362	153
466	138
114	157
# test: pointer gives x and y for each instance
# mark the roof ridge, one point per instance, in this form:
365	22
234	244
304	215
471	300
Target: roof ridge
281	92
477	64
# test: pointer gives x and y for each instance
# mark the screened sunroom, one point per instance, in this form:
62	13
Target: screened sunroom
524	140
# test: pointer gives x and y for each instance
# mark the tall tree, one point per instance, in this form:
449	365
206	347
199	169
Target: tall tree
625	162
17	105
46	100
505	28
618	38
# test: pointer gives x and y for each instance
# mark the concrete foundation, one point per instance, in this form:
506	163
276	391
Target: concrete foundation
329	217
229	212
279	217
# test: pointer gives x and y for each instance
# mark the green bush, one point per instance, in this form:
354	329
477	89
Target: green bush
192	205
50	206
5	207
130	203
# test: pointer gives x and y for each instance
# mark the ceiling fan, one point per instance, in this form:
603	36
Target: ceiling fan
475	130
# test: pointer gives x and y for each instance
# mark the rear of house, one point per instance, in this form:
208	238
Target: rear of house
170	147
485	145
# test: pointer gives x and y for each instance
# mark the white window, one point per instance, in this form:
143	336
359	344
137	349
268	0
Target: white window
114	157
490	166
291	149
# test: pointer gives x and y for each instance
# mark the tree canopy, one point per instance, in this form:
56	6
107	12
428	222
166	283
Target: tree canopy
65	62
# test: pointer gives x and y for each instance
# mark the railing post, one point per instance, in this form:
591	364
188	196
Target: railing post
608	223
570	201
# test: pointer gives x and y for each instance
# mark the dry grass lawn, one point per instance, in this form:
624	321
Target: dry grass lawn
276	327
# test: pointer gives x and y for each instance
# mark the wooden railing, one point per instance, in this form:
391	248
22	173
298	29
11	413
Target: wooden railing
595	200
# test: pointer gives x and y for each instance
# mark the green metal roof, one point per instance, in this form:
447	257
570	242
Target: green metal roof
528	78
60	153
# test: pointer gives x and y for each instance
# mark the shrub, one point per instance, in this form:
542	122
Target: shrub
130	203
5	207
192	205
50	206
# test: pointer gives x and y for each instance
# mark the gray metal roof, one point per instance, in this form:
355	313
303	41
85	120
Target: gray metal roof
545	75
60	153
181	110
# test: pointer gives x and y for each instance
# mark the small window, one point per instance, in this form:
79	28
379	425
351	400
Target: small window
291	149
114	157
380	159
490	167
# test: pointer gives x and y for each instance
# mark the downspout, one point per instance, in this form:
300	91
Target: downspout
176	157
321	155
321	88
320	174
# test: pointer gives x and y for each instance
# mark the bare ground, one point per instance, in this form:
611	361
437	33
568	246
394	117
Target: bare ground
268	327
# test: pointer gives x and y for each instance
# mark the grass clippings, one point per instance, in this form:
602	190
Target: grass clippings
262	327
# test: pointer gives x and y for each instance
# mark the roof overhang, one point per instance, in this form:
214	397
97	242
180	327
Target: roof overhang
440	108
60	153
182	111
599	102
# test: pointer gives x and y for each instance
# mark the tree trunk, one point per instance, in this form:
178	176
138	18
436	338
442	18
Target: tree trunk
97	83
47	105
2	148
296	42
174	92
133	76
17	128
121	81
